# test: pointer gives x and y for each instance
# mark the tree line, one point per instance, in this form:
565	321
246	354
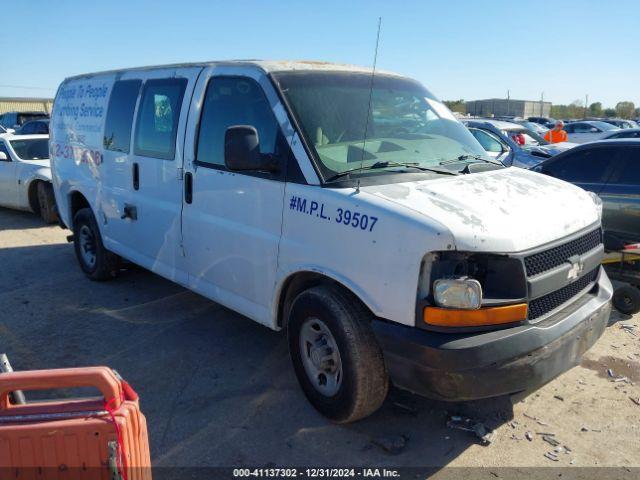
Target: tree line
625	109
576	109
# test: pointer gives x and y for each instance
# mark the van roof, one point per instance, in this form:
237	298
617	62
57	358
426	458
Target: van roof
269	66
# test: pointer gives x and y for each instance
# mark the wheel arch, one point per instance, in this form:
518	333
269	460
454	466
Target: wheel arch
301	280
77	201
32	194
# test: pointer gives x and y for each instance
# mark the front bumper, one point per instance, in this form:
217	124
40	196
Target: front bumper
468	366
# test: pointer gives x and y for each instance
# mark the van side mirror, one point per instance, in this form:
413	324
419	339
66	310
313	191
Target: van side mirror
3	157
242	150
594	130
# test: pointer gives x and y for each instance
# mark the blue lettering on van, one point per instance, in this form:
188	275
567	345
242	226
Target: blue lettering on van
343	216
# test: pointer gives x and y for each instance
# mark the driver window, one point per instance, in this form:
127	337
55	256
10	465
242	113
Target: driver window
233	101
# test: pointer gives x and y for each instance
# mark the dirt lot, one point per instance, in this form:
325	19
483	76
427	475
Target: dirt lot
218	389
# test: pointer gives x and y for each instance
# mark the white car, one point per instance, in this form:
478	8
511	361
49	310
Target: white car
25	175
350	209
588	131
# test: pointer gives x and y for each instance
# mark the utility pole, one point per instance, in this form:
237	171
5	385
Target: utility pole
541	103
586	104
508	102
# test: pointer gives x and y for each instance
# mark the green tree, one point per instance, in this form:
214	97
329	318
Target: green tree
458	106
576	109
609	112
625	109
595	109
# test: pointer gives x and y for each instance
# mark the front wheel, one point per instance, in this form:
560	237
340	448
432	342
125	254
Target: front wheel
96	262
336	357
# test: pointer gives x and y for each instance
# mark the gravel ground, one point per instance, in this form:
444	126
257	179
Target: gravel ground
218	389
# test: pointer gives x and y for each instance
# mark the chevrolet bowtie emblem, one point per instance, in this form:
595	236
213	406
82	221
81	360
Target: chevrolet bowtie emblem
576	268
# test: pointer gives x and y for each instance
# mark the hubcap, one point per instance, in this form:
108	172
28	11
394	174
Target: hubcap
87	246
320	356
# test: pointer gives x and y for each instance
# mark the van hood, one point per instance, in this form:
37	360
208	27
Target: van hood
507	210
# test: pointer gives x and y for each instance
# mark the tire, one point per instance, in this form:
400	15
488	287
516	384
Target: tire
96	262
626	299
355	379
47	202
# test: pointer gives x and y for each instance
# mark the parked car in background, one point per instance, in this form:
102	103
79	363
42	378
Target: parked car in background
15	120
546	121
610	169
626	133
588	131
25	175
533	126
35	127
513	144
620	123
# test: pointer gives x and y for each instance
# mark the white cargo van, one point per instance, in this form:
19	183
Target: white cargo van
351	209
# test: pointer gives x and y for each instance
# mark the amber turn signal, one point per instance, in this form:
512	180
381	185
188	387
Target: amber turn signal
449	317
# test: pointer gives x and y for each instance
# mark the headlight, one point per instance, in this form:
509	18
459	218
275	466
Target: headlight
458	293
598	201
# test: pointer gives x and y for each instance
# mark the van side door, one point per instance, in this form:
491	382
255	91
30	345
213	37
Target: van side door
146	203
232	221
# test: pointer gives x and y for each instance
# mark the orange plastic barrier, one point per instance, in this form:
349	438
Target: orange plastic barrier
93	438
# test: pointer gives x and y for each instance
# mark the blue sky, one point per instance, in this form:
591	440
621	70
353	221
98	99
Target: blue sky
458	48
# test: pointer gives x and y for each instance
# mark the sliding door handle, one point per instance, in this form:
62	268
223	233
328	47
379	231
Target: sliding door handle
188	187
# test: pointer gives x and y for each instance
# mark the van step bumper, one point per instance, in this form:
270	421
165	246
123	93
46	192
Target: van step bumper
470	366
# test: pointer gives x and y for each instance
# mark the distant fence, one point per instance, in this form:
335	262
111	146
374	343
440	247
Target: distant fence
21	104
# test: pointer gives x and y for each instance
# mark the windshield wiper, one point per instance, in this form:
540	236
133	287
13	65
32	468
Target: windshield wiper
386	164
462	158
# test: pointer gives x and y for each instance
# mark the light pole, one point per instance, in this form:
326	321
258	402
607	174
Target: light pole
586	104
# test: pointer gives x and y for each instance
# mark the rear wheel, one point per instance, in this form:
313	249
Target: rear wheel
626	299
335	354
96	262
47	202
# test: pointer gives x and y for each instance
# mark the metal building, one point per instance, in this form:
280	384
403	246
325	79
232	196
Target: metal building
25	104
508	107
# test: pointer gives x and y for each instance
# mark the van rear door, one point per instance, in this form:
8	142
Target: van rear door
232	221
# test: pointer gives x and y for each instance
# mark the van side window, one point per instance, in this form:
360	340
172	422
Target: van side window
158	115
122	103
233	101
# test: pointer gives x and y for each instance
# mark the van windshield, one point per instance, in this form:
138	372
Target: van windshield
406	123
